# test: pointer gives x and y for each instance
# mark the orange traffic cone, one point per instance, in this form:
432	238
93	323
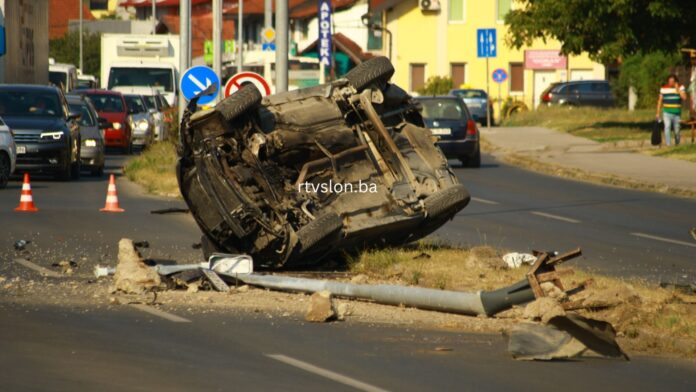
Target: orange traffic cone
111	198
26	201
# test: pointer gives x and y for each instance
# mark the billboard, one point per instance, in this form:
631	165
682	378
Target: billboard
325	44
544	59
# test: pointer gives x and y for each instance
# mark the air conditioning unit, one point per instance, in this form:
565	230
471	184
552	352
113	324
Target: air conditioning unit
429	5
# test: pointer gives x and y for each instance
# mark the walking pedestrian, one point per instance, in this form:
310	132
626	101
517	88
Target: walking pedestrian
670	101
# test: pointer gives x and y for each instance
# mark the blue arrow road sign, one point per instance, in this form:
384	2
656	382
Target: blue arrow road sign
197	79
486	43
499	75
268	46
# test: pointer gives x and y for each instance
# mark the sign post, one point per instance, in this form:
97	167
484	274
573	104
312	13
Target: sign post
325	39
499	76
486	47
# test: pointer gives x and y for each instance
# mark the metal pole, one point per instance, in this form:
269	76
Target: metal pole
217	38
184	46
488	94
240	36
154	16
500	110
268	13
282	40
81	19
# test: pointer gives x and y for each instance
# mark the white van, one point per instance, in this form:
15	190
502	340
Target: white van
63	76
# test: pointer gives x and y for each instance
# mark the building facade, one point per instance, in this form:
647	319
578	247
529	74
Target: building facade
442	41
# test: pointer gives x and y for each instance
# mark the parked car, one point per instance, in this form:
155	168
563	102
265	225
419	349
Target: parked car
579	93
162	113
91	132
8	154
45	131
449	119
476	101
112	106
140	118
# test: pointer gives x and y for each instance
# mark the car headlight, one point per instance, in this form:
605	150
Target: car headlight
90	143
117	125
54	135
143	125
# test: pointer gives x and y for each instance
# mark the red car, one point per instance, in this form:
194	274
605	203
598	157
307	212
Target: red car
112	106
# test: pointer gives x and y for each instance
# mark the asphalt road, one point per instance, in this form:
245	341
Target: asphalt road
123	348
621	232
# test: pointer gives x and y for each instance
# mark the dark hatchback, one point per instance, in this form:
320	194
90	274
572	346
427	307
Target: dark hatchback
46	132
449	119
579	93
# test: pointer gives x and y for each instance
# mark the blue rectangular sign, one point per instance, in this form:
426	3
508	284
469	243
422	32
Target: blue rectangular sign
324	49
486	43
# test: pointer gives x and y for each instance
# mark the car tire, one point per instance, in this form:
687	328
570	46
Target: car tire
5	167
318	229
65	173
475	160
450	199
98	171
248	97
374	71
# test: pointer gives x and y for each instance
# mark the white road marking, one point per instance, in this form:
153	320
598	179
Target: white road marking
484	201
345	380
557	217
160	313
663	239
39	269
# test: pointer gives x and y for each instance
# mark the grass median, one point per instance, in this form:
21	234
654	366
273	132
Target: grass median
648	318
155	169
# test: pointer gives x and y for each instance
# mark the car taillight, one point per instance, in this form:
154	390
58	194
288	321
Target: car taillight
471	128
547	97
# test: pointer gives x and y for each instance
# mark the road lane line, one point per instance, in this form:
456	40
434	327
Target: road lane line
552	216
484	201
663	239
345	380
160	313
39	269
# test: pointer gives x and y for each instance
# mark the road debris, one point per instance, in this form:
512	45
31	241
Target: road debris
66	266
543	309
132	275
20	245
321	308
516	260
100	271
292	178
214	280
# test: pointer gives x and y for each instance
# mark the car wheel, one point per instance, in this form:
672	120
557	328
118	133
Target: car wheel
64	173
450	199
475	160
75	168
374	71
318	229
5	167
98	171
238	103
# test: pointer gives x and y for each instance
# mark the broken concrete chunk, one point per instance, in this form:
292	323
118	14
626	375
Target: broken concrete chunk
532	341
610	297
543	309
132	275
342	310
321	308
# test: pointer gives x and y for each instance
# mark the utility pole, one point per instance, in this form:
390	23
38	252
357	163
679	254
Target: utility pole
268	13
217	38
282	40
154	17
240	36
184	46
81	34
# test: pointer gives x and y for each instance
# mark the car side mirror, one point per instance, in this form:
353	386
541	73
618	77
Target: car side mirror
103	123
74	116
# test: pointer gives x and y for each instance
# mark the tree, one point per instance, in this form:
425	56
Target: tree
67	50
436	85
646	73
606	29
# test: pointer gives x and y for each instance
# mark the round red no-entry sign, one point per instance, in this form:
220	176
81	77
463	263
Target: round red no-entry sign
237	81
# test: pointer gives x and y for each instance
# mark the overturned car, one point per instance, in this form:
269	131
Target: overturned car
296	176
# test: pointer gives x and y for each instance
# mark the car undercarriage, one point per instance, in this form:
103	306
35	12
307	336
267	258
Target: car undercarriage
294	177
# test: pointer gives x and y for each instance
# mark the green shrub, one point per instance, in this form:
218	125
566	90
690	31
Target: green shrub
646	73
436	85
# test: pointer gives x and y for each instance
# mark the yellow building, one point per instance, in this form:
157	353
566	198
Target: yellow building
442	41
